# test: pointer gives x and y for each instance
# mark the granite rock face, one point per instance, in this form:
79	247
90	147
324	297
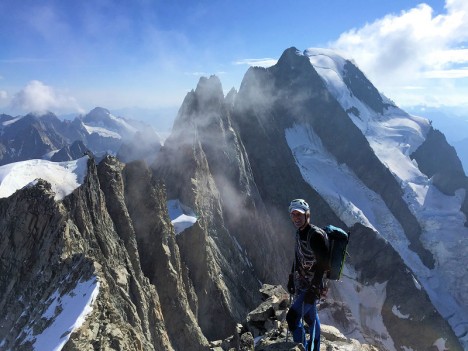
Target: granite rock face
439	161
49	249
203	166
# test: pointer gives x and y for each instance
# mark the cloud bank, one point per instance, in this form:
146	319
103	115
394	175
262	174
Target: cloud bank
412	49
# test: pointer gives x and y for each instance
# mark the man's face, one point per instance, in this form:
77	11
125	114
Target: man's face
299	219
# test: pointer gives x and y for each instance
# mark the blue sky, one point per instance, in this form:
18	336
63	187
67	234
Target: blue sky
68	56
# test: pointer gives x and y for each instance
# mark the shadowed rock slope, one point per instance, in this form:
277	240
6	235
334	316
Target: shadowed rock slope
204	165
439	161
48	248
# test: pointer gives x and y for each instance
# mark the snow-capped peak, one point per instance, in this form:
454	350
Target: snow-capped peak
101	121
64	177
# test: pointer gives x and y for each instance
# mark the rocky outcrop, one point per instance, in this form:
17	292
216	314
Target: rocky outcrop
265	329
71	152
439	161
362	88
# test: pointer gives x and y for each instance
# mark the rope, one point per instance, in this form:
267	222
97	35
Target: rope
306	254
287	332
312	338
302	321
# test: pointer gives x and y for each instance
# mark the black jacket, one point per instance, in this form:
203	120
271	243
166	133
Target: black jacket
311	254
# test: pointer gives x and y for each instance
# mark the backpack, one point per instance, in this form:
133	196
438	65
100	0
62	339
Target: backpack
338	240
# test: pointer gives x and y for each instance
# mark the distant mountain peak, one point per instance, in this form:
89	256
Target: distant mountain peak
347	82
99	111
210	87
293	58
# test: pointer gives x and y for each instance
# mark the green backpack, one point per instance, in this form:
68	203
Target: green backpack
338	240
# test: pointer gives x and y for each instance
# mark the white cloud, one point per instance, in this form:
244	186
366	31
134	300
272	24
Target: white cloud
198	74
38	97
444	57
205	74
261	62
411	48
3	95
450	73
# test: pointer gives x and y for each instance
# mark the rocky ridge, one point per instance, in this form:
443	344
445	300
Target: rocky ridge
48	245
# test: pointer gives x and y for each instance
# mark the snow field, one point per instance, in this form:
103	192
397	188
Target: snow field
63	176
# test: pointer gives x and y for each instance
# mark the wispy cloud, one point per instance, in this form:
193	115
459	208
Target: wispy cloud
205	74
198	74
412	87
447	74
450	56
38	97
260	62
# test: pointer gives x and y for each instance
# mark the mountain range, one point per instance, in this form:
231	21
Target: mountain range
45	136
126	243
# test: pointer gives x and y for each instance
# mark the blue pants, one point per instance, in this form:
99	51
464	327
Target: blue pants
298	310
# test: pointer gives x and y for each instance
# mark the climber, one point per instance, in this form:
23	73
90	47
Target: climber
306	281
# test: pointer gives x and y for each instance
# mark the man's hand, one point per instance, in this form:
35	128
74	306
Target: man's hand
312	294
324	290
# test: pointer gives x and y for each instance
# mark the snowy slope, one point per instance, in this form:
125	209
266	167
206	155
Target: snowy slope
66	313
102	131
63	176
393	136
104	123
10	121
182	216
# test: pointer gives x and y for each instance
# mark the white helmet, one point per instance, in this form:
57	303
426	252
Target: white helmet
298	205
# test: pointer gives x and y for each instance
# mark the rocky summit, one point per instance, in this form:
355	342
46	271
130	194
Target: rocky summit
165	247
265	329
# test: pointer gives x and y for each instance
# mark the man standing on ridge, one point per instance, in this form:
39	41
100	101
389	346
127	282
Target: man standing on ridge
306	278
